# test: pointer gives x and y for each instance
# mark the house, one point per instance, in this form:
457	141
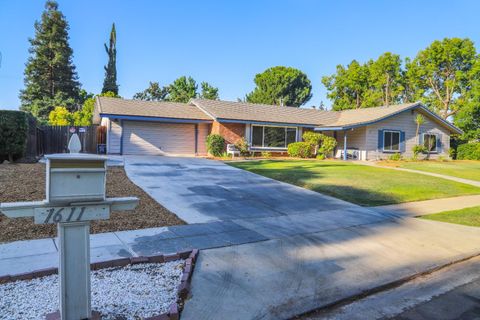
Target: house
167	128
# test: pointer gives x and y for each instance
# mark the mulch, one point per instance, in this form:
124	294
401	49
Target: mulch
26	182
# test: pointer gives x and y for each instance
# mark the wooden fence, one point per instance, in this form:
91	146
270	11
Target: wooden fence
54	139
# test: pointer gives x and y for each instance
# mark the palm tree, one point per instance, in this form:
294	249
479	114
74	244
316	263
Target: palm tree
419	120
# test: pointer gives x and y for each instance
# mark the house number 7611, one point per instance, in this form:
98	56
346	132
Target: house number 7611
64	214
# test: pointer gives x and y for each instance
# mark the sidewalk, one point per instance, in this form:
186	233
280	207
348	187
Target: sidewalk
461	180
419	208
25	256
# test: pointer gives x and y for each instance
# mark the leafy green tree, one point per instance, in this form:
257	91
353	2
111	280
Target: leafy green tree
60	116
385	79
110	81
468	117
348	86
281	86
441	75
50	76
208	91
182	90
377	82
154	92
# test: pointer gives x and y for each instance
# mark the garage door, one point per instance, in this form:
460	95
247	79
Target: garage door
150	138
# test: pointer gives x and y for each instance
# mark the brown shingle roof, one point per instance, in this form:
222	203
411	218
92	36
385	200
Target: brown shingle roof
367	115
117	106
229	110
202	109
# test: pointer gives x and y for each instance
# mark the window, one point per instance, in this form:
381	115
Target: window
430	142
391	140
273	137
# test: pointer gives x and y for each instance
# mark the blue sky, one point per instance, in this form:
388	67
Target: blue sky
227	42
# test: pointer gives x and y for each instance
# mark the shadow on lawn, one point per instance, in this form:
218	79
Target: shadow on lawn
297	175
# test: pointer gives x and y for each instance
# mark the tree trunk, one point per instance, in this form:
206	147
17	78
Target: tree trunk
387	89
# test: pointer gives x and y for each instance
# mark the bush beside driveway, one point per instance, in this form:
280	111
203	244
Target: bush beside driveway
363	185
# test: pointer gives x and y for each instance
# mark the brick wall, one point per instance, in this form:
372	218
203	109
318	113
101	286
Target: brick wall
231	132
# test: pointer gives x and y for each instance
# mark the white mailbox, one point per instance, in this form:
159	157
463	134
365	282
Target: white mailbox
75	177
75	196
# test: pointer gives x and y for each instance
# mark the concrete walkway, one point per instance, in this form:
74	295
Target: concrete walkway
25	256
420	208
461	180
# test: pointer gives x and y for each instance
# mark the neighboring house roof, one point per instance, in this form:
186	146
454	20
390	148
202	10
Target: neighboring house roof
242	112
249	112
106	106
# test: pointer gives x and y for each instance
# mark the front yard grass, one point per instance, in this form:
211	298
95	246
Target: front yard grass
466	169
26	182
360	184
467	216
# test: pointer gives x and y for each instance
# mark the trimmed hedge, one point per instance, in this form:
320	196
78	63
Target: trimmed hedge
301	150
215	144
13	134
469	151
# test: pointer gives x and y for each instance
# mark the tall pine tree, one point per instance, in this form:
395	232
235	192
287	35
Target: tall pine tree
110	82
50	76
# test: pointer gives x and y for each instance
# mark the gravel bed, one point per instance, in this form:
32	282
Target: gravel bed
130	292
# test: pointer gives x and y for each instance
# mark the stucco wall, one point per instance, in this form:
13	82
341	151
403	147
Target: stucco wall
405	121
231	132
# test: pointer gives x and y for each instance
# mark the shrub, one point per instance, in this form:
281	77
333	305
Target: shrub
312	137
321	143
266	154
13	134
215	144
327	146
395	157
320	156
469	151
242	146
300	150
417	149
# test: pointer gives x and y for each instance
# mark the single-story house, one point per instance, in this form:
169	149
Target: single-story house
167	128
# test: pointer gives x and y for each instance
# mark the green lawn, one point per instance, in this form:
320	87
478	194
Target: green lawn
459	168
467	216
364	185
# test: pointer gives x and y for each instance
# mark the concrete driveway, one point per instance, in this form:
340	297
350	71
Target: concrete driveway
308	250
200	190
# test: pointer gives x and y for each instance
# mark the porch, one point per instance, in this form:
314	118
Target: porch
351	143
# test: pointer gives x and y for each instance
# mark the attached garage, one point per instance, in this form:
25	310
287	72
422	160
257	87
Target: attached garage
153	138
139	127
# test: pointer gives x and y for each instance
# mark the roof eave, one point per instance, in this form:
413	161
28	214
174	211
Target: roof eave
154	119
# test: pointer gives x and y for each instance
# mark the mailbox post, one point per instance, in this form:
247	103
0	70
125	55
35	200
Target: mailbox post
76	195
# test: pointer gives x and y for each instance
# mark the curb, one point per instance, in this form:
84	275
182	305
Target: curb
183	290
381	288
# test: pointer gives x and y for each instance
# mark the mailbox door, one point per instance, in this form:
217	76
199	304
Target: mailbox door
77	185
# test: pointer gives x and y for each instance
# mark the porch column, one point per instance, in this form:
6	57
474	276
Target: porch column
344	144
